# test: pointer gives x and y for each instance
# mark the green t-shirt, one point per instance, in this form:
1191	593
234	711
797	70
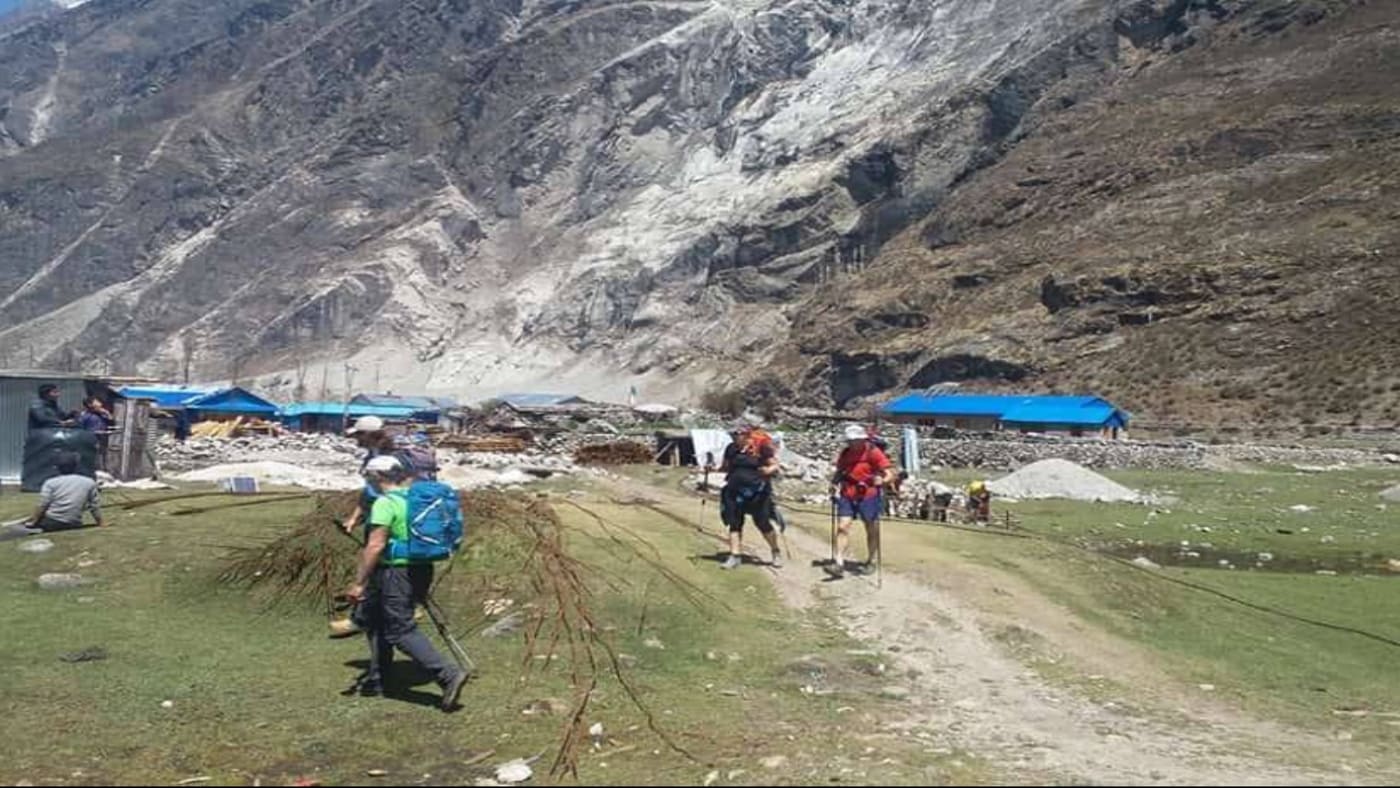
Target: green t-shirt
391	511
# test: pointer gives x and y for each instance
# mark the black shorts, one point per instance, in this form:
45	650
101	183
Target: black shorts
736	503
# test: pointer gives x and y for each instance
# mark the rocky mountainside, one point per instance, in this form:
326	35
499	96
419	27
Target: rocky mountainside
1169	201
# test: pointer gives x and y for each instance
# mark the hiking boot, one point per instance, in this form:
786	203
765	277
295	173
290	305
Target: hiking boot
452	690
777	562
364	687
732	562
837	568
344	628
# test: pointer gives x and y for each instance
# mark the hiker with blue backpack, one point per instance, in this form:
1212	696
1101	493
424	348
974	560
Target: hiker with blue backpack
411	525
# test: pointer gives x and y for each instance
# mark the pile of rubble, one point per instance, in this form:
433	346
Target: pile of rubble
307	450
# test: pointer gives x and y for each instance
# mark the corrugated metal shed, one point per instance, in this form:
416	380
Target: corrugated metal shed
18	390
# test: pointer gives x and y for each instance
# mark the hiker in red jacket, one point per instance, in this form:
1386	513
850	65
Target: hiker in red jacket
862	470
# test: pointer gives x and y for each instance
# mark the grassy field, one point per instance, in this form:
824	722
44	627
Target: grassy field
253	689
1274	665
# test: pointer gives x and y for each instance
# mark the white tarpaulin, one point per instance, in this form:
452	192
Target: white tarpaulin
711	443
909	446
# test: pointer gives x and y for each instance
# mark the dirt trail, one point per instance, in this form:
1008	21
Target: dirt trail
971	692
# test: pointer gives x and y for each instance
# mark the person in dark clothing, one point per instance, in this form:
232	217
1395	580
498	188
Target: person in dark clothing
45	413
387	589
182	426
98	420
95	416
750	463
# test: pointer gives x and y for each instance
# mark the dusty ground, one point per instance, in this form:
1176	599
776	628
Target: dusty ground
980	662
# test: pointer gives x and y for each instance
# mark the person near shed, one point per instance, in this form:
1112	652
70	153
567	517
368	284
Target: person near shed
862	469
387	590
64	498
46	413
96	419
750	463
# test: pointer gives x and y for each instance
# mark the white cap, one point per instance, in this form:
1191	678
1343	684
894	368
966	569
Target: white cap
366	424
855	432
382	464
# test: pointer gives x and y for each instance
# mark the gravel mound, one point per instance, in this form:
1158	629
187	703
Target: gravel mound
1056	478
1391	494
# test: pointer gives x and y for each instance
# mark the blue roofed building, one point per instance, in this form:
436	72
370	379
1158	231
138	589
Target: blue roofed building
1075	415
203	403
332	416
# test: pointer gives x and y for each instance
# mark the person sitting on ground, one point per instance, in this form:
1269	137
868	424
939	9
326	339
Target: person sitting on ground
387	590
45	412
750	463
861	470
64	498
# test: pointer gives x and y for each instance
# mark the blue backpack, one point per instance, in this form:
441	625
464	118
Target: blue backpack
435	524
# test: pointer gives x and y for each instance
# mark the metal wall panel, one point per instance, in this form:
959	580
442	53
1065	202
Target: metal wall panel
16	395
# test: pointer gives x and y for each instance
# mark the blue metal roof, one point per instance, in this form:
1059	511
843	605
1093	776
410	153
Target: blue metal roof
232	400
165	396
356	410
539	400
1093	412
1016	408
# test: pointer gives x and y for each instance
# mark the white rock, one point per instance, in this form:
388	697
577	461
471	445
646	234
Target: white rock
1207	687
1145	563
711	778
774	762
59	582
1301	507
35	546
167	704
514	772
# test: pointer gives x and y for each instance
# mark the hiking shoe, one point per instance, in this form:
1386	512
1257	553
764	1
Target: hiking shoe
364	687
777	562
732	562
837	568
344	628
452	690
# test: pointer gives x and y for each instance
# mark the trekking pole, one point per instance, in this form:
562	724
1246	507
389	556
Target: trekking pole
833	530
439	621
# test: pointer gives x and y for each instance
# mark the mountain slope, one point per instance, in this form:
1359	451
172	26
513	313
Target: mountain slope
479	196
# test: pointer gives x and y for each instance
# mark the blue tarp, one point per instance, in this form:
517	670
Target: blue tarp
232	400
203	400
165	396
